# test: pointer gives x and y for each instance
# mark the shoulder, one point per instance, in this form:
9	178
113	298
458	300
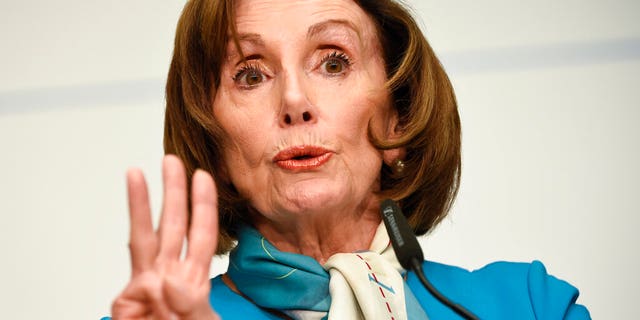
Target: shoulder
501	290
230	305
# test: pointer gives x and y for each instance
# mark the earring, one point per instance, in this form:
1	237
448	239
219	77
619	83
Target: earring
398	166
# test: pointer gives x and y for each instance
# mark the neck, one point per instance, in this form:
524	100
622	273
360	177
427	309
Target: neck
323	233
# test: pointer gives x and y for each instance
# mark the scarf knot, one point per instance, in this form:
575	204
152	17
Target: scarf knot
364	285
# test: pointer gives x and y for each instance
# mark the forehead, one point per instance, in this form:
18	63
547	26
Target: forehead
293	16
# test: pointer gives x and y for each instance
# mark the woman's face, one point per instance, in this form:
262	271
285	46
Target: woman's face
296	113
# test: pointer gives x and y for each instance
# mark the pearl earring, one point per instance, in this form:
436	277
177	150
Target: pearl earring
398	166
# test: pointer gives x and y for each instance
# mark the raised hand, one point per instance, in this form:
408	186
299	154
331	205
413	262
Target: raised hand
163	285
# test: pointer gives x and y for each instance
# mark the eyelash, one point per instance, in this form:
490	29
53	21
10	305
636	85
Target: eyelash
337	55
246	68
341	56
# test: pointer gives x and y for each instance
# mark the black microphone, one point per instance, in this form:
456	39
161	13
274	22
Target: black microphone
404	242
409	254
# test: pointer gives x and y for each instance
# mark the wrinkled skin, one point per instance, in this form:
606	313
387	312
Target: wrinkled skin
313	80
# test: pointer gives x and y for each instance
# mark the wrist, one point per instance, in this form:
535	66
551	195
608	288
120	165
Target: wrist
203	313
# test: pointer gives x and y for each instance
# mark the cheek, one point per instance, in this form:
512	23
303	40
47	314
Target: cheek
354	110
361	93
244	132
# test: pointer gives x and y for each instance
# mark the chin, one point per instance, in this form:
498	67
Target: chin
312	196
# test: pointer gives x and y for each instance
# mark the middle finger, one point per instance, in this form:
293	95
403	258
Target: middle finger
173	222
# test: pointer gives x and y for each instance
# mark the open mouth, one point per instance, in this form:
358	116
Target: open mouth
302	158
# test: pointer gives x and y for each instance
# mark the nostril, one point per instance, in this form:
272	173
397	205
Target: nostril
287	119
306	116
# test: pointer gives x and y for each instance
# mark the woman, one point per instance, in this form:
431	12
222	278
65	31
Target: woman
308	114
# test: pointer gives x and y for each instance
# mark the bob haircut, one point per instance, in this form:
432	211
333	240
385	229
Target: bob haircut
420	91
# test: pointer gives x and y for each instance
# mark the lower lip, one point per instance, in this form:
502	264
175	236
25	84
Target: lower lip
305	164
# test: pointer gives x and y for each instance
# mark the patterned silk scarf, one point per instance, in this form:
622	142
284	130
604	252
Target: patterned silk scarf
364	285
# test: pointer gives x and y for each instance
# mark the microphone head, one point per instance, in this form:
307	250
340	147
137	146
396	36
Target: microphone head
404	241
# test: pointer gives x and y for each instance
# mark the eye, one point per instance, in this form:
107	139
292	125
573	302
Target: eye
249	76
335	63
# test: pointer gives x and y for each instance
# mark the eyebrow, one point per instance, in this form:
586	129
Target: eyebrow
256	39
312	31
324	25
253	38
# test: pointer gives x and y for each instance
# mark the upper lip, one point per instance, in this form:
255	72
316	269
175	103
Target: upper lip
300	152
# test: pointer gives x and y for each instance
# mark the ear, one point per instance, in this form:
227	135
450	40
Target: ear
393	132
390	156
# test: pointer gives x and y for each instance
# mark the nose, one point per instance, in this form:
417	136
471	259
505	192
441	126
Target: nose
288	119
297	107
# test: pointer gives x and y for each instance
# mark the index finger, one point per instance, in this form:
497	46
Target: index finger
203	233
142	239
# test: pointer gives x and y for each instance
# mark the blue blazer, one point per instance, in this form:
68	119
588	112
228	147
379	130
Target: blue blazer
501	290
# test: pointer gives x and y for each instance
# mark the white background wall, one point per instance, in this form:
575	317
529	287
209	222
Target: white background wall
548	95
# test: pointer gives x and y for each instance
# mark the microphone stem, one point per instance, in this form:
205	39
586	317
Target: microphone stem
460	310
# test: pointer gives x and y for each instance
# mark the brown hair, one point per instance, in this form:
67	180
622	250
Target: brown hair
420	91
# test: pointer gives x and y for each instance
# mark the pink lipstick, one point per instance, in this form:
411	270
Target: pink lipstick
302	158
